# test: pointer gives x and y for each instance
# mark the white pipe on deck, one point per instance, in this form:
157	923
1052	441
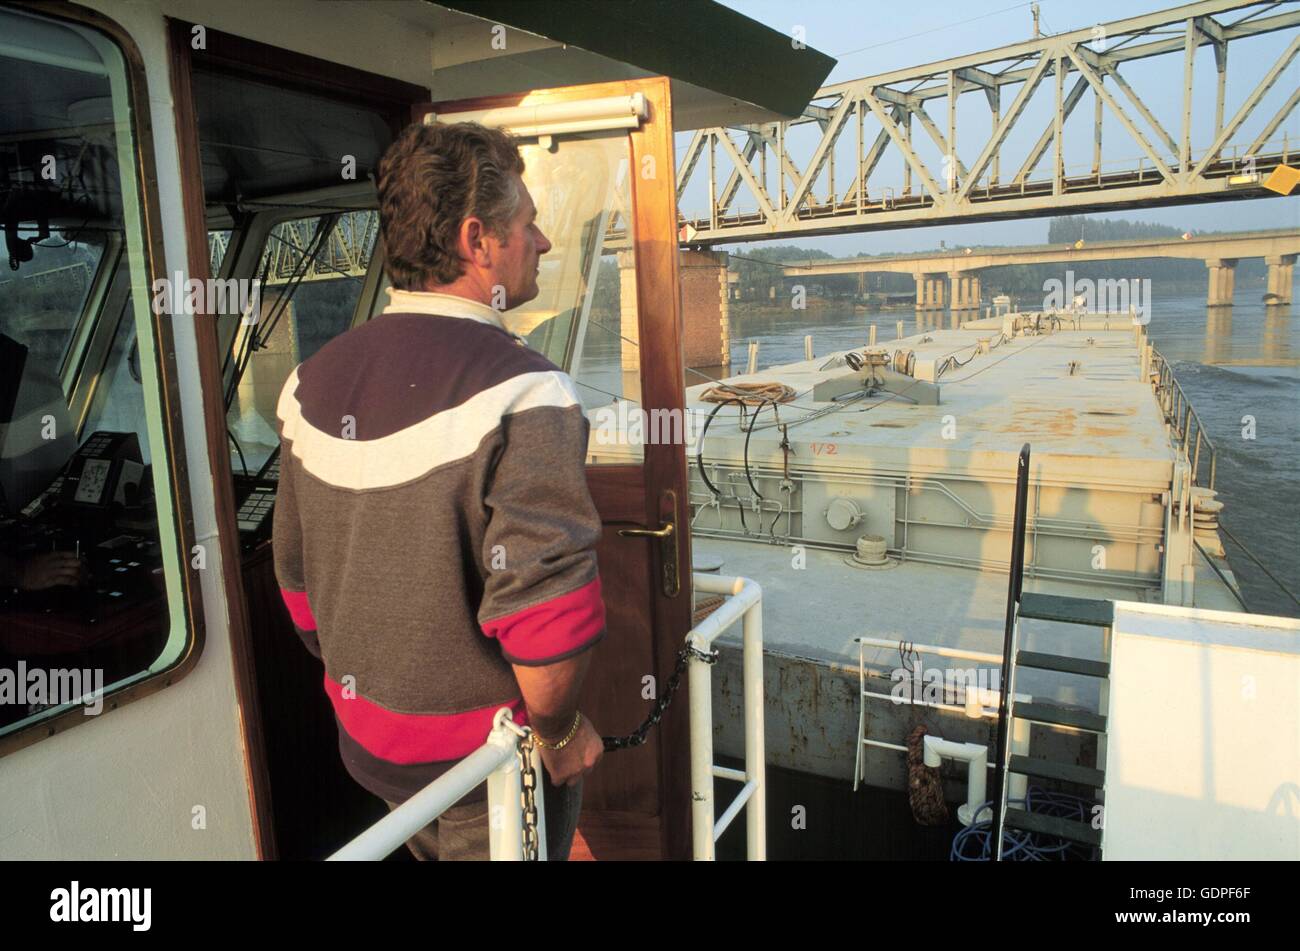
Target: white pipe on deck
976	758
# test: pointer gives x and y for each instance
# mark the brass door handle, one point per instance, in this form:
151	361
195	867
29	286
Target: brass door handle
664	532
669	574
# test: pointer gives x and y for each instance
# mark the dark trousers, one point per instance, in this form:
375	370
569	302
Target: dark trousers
461	833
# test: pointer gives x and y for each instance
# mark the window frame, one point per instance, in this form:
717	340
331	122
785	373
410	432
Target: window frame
179	533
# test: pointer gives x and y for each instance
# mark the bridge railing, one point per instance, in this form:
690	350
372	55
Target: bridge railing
1188	429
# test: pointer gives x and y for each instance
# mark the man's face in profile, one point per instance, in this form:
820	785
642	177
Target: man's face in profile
519	251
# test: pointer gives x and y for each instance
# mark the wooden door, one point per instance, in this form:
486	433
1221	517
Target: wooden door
609	313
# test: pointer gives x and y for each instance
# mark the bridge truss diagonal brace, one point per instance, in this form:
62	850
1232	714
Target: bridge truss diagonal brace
745	172
753	142
914	162
1249	105
1099	89
1040	147
870	160
999	135
689	161
830	136
916	107
1113	72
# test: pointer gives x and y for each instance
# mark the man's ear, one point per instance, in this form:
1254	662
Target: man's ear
473	243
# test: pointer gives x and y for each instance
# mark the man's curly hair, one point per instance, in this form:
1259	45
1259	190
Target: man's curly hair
431	179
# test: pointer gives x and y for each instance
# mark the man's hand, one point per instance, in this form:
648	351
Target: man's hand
49	570
578	758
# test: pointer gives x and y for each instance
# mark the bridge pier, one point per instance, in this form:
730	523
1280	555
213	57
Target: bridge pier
706	338
1281	275
965	291
1223	272
929	291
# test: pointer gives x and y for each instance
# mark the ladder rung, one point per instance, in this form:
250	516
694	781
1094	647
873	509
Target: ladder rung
1051	769
1063	664
1071	829
1053	607
1060	716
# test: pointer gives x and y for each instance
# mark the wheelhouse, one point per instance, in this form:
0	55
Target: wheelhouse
189	212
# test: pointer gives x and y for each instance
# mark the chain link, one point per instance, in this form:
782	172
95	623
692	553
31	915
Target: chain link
527	748
528	774
638	736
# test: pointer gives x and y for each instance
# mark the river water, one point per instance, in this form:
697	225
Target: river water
1234	364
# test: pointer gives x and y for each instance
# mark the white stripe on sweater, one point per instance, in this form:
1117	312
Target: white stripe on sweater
409	453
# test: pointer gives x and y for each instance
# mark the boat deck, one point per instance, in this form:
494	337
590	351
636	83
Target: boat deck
817	612
1023	391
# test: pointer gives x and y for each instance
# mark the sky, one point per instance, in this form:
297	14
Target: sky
869	37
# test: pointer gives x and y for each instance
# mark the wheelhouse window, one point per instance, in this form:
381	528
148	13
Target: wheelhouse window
311	274
91	568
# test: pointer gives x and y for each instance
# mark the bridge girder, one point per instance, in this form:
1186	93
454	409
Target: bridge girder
883	106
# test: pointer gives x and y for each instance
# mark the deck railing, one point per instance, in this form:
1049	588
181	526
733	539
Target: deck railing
497	760
1179	414
743	602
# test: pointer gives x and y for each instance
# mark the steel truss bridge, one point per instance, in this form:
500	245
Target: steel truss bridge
888	115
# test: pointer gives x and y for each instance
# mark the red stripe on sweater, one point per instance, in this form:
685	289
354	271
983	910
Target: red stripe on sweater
407	738
299	609
553	628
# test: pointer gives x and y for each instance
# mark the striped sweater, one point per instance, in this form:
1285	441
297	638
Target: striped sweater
432	527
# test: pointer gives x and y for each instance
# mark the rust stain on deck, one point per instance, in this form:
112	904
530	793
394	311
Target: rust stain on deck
1052	420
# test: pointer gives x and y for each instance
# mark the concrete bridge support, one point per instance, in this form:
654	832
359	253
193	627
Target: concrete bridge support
1223	273
929	292
1281	275
706	338
965	291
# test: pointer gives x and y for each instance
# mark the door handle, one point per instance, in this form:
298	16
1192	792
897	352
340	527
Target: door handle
670	577
664	532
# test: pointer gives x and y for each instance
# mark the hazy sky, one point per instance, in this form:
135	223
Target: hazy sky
873	37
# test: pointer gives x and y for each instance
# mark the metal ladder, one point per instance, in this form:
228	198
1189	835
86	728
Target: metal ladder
1085	611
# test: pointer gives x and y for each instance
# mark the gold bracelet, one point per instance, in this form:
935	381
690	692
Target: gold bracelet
573	731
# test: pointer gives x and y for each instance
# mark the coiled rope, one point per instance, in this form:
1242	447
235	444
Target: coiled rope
751	394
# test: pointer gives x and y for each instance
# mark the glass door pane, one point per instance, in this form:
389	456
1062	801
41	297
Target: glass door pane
584	317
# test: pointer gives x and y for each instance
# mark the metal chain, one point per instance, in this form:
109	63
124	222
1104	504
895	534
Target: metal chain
638	736
528	774
527	748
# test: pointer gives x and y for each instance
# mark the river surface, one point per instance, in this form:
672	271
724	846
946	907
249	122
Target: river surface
1232	363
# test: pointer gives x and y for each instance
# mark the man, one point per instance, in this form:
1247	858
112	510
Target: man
434	536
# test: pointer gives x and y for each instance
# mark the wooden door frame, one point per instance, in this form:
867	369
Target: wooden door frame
654	202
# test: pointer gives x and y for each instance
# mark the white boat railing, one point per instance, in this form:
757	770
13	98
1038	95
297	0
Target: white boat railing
496	761
743	602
